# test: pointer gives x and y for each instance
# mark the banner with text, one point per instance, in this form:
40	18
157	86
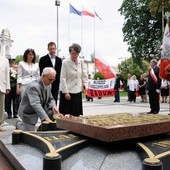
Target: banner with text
101	88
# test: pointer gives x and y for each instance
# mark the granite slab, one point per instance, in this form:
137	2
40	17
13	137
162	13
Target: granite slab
116	127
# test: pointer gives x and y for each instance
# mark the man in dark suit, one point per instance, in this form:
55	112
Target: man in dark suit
51	60
153	86
117	87
37	101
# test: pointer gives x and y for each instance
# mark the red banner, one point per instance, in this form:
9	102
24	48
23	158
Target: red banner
106	71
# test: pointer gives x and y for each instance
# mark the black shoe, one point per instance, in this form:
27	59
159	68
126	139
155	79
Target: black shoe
149	112
15	116
9	116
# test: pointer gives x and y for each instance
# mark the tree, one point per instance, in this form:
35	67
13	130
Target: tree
129	66
20	58
141	30
156	6
98	75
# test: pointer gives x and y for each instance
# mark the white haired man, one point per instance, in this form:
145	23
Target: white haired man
37	101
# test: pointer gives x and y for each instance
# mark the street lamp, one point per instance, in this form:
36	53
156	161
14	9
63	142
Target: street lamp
57	3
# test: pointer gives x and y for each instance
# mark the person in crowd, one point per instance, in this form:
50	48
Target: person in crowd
28	71
99	97
145	77
133	87
11	99
164	90
88	98
128	81
73	79
117	87
37	101
142	88
51	60
4	86
153	86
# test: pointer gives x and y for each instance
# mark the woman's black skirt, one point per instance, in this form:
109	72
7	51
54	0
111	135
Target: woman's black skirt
73	107
164	92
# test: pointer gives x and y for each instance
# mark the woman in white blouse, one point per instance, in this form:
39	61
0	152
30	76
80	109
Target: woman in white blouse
28	71
133	87
73	78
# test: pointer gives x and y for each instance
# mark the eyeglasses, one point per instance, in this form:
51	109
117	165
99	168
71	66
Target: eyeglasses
50	79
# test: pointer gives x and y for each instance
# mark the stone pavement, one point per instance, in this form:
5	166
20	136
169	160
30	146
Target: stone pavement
84	159
107	106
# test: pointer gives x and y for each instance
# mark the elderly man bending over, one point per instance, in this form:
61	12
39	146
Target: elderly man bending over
37	101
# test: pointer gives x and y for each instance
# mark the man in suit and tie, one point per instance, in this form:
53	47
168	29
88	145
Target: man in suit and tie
37	101
4	86
153	86
51	60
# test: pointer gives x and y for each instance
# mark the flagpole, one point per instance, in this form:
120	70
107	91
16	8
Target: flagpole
68	29
81	36
57	3
94	40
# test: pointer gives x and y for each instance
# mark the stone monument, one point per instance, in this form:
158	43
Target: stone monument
5	43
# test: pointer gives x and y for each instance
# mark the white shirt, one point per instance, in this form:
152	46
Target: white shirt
133	85
52	60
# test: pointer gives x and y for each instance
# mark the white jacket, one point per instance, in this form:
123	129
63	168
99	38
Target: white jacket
27	74
73	77
4	74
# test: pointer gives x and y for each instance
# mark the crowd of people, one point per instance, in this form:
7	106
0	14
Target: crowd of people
151	85
32	88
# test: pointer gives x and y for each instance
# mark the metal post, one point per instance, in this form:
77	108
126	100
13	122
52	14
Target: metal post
57	3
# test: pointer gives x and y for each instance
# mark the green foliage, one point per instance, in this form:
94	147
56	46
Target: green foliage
130	67
142	31
97	75
20	58
156	6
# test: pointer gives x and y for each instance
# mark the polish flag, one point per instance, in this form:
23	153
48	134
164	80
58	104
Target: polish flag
165	55
86	12
106	71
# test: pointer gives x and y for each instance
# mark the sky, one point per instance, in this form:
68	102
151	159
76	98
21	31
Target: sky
33	24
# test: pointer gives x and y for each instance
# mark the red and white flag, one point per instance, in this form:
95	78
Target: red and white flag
165	55
106	71
86	12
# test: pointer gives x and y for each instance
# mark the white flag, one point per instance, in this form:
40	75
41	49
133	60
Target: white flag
165	52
